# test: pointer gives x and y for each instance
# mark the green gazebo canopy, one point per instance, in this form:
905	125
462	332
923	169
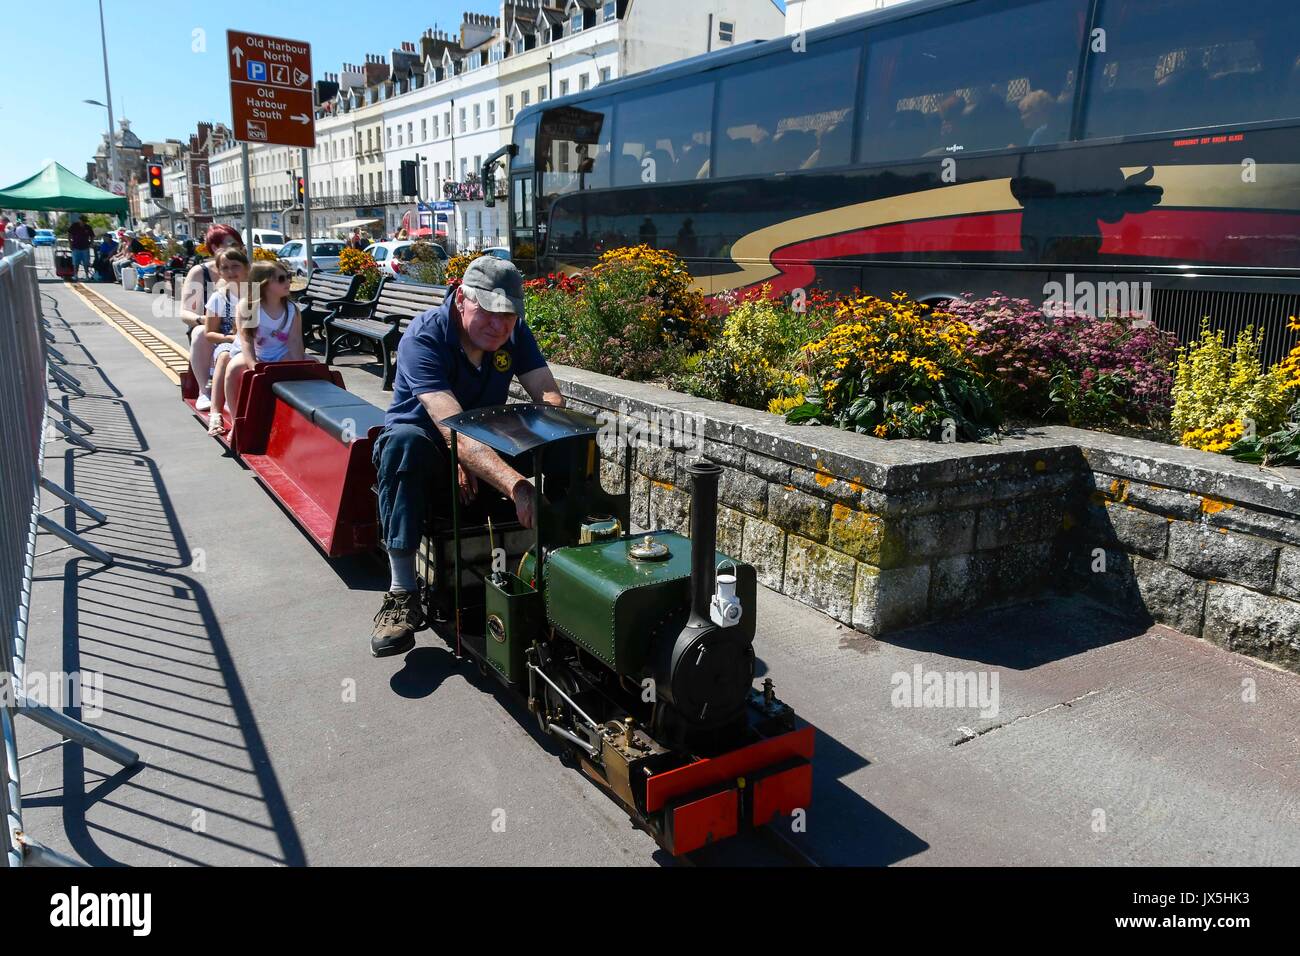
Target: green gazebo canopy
56	188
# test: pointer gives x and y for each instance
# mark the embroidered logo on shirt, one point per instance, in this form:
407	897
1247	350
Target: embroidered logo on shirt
501	361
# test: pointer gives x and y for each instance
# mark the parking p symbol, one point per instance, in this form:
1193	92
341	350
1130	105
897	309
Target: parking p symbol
257	71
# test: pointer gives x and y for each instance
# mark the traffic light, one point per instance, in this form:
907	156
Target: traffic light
155	181
409	186
302	189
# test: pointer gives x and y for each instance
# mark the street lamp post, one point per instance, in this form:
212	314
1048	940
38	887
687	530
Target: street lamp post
108	96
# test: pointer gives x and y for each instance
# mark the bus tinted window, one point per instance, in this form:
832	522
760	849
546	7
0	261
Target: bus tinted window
1184	64
573	149
789	112
978	76
664	137
526	140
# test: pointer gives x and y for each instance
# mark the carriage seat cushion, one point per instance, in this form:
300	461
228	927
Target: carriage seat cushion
329	407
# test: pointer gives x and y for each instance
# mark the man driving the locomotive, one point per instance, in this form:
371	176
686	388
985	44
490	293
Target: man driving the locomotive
460	356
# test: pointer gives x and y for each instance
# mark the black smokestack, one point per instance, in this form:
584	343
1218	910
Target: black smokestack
704	534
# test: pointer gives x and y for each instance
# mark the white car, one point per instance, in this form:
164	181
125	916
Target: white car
324	252
267	239
392	257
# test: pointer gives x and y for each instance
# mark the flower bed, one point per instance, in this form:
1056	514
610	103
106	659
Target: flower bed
899	369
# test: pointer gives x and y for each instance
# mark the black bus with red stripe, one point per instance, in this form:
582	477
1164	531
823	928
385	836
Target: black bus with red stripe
944	147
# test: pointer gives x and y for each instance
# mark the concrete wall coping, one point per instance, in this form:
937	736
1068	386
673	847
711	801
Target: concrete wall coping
897	465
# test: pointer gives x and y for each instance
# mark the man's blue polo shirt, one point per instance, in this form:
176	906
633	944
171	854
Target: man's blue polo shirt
430	358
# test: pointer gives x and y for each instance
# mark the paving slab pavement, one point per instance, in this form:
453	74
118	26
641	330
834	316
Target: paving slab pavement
235	658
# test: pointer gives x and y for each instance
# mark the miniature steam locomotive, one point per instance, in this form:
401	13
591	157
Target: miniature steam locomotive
634	651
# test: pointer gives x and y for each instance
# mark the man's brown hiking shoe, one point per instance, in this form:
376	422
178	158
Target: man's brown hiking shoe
396	624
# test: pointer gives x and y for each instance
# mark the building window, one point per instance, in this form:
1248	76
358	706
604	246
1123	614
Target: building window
446	167
424	130
390	180
564	87
541	93
462	119
410	132
510	109
524	98
726	31
399	137
575	22
492	113
584	81
447	121
604	74
463	163
611	11
478	116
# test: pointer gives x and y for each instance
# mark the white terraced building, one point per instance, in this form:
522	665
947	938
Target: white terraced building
803	15
447	101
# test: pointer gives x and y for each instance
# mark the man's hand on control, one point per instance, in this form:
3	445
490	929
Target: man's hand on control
468	485
524	495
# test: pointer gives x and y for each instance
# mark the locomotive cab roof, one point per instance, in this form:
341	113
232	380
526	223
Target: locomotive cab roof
521	427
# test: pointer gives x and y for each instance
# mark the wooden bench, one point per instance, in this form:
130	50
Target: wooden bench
325	292
381	321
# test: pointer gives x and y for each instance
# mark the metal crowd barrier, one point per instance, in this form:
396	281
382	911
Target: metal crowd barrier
25	409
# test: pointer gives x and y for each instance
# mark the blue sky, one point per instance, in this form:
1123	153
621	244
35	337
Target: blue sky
53	62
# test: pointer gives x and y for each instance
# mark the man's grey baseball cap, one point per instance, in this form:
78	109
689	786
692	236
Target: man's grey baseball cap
497	285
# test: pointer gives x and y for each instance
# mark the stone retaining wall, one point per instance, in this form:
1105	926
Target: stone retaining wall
1203	544
886	534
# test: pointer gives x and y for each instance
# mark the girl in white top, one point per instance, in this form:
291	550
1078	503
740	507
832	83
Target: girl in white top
219	330
269	324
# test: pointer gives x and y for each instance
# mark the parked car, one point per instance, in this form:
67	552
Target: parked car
43	237
392	257
501	252
324	252
267	238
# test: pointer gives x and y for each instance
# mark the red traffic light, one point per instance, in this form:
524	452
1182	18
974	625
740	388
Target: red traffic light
155	181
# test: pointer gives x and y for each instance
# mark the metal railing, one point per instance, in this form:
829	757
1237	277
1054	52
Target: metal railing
25	419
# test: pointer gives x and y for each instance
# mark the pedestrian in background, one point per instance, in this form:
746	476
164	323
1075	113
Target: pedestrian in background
80	238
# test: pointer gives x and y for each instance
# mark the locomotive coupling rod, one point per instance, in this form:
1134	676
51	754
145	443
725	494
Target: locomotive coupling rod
572	738
578	710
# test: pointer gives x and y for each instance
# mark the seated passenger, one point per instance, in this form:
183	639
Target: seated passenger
268	325
195	293
459	356
219	331
1037	113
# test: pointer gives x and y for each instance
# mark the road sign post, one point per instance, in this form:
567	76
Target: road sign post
306	207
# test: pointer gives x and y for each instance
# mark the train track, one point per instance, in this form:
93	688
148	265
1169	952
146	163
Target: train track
170	357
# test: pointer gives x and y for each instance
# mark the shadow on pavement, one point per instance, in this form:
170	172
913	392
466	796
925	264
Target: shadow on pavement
206	792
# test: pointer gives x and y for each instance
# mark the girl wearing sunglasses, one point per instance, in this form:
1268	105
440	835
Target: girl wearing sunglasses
269	324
